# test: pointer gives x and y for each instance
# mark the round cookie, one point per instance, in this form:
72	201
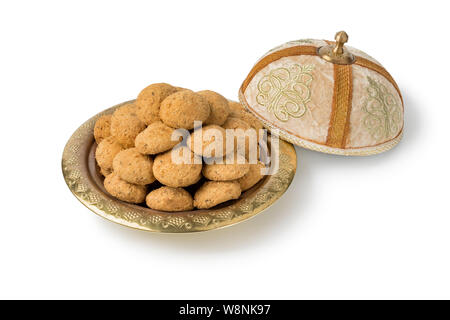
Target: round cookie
211	193
174	174
134	167
102	128
229	170
208	141
252	177
252	121
123	190
236	109
156	138
106	151
170	199
129	109
149	101
125	128
218	105
182	108
236	124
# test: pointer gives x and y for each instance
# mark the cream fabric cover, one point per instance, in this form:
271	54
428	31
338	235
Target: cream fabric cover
347	110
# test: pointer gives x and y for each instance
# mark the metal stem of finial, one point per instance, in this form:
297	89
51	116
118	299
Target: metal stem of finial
341	38
337	53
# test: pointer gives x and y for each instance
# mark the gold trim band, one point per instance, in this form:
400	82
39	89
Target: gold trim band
341	106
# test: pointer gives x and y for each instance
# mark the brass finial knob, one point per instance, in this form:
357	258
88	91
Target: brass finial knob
337	53
341	38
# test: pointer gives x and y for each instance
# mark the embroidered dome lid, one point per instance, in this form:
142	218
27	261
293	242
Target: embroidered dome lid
326	97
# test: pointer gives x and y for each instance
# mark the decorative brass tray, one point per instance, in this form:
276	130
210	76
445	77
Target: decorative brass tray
86	183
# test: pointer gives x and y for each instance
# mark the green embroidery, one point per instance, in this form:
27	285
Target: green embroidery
286	91
384	114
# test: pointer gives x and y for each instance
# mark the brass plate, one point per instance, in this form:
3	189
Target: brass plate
83	179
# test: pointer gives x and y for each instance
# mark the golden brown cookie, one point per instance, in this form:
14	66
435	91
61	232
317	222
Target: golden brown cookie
102	128
236	109
243	136
218	105
252	177
181	174
208	141
134	167
252	121
123	190
228	170
182	108
211	193
236	123
170	199
125	128
106	151
156	138
149	101
129	109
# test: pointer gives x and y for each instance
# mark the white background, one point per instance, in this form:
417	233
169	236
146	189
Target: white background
373	227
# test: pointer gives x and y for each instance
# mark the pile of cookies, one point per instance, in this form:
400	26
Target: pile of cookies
135	146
